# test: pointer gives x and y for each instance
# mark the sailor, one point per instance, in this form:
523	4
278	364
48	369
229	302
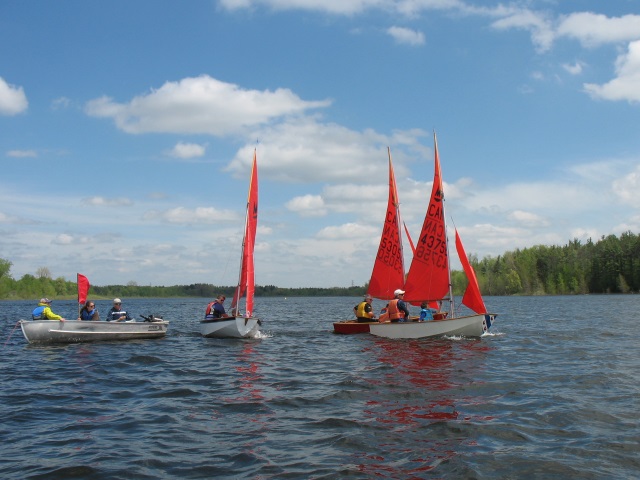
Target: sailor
216	309
364	310
116	313
43	311
398	311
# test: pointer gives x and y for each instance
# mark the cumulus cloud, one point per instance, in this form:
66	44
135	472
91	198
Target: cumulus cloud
592	29
187	150
406	36
626	85
308	151
201	105
12	99
307	206
527	219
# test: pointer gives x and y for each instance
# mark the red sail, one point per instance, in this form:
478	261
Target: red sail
428	277
472	297
388	268
246	282
83	288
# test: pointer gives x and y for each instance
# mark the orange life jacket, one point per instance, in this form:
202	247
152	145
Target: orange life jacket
394	313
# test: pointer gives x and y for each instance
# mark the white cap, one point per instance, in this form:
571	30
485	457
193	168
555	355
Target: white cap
117	300
398	292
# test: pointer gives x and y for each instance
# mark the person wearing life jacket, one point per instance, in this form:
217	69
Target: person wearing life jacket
89	312
43	311
364	310
116	314
215	309
426	313
398	311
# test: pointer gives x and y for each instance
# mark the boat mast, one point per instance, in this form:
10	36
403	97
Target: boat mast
452	306
396	205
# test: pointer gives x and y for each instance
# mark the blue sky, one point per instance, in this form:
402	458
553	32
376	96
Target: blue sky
127	131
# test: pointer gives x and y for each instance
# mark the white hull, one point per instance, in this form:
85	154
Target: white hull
232	327
470	326
74	331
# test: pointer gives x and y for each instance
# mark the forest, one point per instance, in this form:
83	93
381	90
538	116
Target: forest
609	265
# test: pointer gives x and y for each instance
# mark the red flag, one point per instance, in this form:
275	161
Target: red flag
83	288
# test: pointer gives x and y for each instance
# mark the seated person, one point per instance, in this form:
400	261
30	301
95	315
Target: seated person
426	313
364	310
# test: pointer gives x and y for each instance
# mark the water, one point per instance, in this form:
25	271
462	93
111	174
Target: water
553	393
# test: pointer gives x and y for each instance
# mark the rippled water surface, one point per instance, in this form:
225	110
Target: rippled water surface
552	393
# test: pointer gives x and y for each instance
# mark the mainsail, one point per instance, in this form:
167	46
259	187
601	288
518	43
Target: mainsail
246	281
472	297
428	277
388	268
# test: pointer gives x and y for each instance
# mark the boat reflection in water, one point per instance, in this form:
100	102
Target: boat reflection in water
431	380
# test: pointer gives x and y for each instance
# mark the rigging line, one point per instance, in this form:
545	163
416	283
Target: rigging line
9	338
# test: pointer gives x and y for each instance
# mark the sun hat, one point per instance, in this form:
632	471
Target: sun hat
398	292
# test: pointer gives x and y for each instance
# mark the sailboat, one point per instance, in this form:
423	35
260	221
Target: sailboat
77	331
388	268
241	325
429	278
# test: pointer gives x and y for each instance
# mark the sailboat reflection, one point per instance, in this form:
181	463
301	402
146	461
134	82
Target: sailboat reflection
419	413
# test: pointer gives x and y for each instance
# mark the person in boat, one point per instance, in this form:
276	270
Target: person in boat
43	311
398	311
426	313
89	312
384	314
364	310
216	309
116	314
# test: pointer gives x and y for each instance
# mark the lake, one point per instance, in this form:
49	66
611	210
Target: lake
552	392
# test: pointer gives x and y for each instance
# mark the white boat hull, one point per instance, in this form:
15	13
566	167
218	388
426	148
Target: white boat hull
232	327
75	331
469	326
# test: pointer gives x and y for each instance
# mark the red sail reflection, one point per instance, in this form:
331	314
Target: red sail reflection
429	387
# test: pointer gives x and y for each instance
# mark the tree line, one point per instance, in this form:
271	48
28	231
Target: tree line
609	265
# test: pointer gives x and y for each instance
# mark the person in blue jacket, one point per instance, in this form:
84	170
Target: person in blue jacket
89	312
116	314
426	313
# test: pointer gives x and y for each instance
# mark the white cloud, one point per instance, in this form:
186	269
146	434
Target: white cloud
537	23
201	105
627	188
593	29
22	153
527	219
187	150
307	206
308	151
626	85
107	202
12	99
199	215
575	69
406	36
